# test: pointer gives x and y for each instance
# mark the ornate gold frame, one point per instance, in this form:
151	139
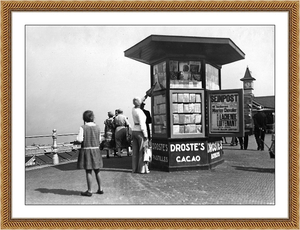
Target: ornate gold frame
292	7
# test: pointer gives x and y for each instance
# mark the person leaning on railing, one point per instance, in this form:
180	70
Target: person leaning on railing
120	123
109	133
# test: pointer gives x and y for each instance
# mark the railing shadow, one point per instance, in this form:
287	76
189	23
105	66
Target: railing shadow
122	164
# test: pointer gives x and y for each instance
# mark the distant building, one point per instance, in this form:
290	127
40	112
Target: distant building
266	102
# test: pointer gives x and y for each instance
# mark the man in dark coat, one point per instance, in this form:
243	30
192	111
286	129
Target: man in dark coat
148	119
260	126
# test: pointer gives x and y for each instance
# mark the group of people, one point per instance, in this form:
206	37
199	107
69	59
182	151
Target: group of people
116	127
89	136
260	127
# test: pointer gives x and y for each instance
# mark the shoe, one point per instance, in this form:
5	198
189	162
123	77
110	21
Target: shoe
258	148
117	155
242	147
100	192
86	193
147	169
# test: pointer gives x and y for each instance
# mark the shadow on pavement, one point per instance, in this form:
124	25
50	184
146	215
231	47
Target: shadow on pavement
235	148
116	170
117	163
59	191
109	164
254	169
66	167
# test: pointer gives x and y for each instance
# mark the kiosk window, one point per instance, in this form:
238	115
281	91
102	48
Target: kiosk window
159	114
159	76
185	74
212	78
187	113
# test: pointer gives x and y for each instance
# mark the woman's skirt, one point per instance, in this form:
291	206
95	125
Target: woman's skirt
120	136
89	159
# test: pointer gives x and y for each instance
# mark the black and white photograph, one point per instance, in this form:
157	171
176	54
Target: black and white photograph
78	77
151	116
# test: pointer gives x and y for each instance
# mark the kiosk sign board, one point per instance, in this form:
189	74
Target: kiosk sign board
226	113
160	154
186	153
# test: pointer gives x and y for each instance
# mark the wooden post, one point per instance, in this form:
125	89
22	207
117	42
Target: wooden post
54	147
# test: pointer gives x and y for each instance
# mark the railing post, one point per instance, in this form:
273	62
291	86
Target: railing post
54	147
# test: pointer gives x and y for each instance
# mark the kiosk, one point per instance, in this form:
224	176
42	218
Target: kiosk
190	112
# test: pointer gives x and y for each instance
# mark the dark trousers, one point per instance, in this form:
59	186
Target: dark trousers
260	138
244	141
148	131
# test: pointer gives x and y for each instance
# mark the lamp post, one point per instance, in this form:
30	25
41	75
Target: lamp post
54	147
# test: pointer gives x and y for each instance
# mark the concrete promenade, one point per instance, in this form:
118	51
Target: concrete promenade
246	177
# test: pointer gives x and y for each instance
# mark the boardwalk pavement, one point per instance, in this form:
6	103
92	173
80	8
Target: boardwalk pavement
246	177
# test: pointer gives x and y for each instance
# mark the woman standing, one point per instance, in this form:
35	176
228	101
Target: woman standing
121	122
140	138
109	134
89	157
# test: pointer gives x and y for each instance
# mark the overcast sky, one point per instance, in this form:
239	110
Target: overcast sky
70	69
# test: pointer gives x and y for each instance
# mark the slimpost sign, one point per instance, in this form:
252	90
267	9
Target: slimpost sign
226	112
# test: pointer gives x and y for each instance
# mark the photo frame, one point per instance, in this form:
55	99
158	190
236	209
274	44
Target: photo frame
9	222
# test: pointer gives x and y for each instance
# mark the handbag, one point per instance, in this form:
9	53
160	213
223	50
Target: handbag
102	145
147	154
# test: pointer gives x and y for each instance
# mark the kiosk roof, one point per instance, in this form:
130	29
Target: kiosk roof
219	51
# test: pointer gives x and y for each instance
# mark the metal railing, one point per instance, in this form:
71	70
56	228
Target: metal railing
54	146
50	135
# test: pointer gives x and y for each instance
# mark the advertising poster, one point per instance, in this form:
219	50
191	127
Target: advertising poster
226	114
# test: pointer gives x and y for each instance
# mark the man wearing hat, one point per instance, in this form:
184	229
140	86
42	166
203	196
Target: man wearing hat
260	126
